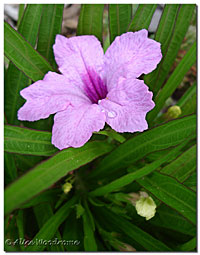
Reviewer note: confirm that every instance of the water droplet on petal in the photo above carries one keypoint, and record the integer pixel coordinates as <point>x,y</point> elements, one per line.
<point>99,101</point>
<point>103,110</point>
<point>111,114</point>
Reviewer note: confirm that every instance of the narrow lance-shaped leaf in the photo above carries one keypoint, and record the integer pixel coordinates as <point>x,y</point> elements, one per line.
<point>168,218</point>
<point>15,80</point>
<point>187,95</point>
<point>23,55</point>
<point>128,178</point>
<point>142,17</point>
<point>91,20</point>
<point>20,14</point>
<point>135,233</point>
<point>10,169</point>
<point>49,229</point>
<point>172,193</point>
<point>188,246</point>
<point>119,19</point>
<point>163,35</point>
<point>158,76</point>
<point>89,239</point>
<point>50,171</point>
<point>50,26</point>
<point>161,137</point>
<point>173,81</point>
<point>43,212</point>
<point>183,166</point>
<point>28,141</point>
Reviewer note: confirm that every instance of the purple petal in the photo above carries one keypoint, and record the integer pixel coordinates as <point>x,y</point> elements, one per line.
<point>131,55</point>
<point>76,56</point>
<point>126,106</point>
<point>52,94</point>
<point>74,126</point>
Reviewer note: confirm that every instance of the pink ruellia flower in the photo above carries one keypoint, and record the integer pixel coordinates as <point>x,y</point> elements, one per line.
<point>93,88</point>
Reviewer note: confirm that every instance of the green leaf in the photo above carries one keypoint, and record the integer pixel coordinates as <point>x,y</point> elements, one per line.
<point>183,166</point>
<point>187,95</point>
<point>23,55</point>
<point>191,182</point>
<point>20,14</point>
<point>43,212</point>
<point>172,193</point>
<point>166,24</point>
<point>20,226</point>
<point>119,19</point>
<point>72,230</point>
<point>168,218</point>
<point>132,231</point>
<point>113,134</point>
<point>128,178</point>
<point>158,138</point>
<point>173,81</point>
<point>15,79</point>
<point>28,141</point>
<point>91,20</point>
<point>50,26</point>
<point>50,227</point>
<point>50,195</point>
<point>10,169</point>
<point>142,17</point>
<point>50,171</point>
<point>190,107</point>
<point>158,76</point>
<point>88,228</point>
<point>188,246</point>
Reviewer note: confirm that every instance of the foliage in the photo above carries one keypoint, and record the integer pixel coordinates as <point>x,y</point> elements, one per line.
<point>96,214</point>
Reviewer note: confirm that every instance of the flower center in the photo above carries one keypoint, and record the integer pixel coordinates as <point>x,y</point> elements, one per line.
<point>94,86</point>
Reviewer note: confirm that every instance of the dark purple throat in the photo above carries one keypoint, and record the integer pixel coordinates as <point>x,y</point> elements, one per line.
<point>94,86</point>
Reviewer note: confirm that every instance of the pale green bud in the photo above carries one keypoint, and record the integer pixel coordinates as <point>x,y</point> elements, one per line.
<point>173,112</point>
<point>146,207</point>
<point>67,187</point>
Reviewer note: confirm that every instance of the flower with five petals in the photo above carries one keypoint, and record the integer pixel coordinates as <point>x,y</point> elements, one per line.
<point>94,88</point>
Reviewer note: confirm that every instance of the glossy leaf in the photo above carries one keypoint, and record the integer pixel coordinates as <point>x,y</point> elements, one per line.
<point>142,17</point>
<point>128,178</point>
<point>23,55</point>
<point>119,19</point>
<point>174,81</point>
<point>172,193</point>
<point>183,166</point>
<point>50,171</point>
<point>157,77</point>
<point>50,26</point>
<point>15,80</point>
<point>158,138</point>
<point>28,141</point>
<point>91,20</point>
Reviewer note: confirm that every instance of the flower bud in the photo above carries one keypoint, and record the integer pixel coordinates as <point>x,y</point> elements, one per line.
<point>173,112</point>
<point>67,187</point>
<point>146,207</point>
